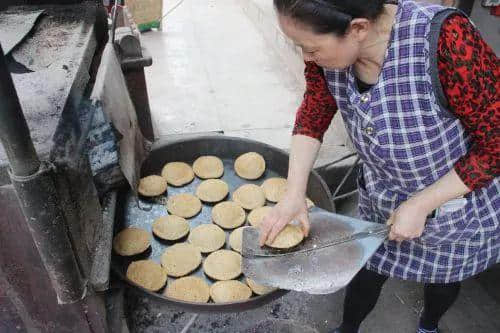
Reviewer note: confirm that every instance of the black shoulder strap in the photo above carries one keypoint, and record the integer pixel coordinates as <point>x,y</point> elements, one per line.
<point>434,34</point>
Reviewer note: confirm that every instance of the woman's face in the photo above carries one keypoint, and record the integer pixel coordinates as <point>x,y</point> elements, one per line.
<point>326,50</point>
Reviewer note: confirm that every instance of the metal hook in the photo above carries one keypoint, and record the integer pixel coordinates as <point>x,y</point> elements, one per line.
<point>114,14</point>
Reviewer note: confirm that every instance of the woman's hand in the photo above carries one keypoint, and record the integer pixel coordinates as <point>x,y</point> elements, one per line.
<point>407,221</point>
<point>291,207</point>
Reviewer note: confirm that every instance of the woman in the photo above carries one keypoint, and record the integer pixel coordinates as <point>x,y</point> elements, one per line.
<point>417,88</point>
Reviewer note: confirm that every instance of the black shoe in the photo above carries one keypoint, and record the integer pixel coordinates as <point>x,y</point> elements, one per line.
<point>423,330</point>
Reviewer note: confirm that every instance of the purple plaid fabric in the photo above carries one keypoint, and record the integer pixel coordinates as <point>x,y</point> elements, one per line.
<point>407,141</point>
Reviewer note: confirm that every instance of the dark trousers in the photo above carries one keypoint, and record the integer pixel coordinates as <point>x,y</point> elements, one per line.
<point>363,292</point>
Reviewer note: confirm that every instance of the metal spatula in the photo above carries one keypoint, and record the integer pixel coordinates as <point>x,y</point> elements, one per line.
<point>337,248</point>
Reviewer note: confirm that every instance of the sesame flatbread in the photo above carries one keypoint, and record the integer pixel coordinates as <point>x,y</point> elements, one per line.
<point>147,274</point>
<point>259,289</point>
<point>177,173</point>
<point>274,188</point>
<point>181,259</point>
<point>212,190</point>
<point>170,227</point>
<point>228,215</point>
<point>236,239</point>
<point>229,291</point>
<point>152,186</point>
<point>131,241</point>
<point>249,196</point>
<point>207,237</point>
<point>189,289</point>
<point>250,166</point>
<point>256,215</point>
<point>207,167</point>
<point>222,265</point>
<point>289,237</point>
<point>184,205</point>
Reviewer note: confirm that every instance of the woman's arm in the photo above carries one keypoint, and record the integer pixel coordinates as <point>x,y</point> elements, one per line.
<point>469,72</point>
<point>318,106</point>
<point>303,153</point>
<point>312,121</point>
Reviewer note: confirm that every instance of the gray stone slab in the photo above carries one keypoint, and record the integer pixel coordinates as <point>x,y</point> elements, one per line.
<point>474,310</point>
<point>282,326</point>
<point>209,76</point>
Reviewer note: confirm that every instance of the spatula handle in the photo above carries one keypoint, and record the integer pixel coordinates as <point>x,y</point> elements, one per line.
<point>384,231</point>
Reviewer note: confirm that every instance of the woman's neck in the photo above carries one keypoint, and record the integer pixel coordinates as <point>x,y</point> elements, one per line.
<point>373,49</point>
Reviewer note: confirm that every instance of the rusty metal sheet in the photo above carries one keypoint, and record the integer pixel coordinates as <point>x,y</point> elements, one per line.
<point>110,92</point>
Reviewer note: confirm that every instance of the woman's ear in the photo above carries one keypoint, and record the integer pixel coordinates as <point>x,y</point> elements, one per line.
<point>358,29</point>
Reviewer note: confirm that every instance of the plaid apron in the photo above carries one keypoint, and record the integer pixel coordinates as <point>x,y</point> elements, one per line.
<point>407,140</point>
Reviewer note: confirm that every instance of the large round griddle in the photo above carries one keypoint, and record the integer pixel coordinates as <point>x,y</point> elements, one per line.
<point>187,150</point>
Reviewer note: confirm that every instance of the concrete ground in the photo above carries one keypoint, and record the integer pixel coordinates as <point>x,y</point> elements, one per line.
<point>222,65</point>
<point>214,71</point>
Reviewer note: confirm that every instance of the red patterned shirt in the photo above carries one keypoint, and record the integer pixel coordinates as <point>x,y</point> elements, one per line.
<point>468,71</point>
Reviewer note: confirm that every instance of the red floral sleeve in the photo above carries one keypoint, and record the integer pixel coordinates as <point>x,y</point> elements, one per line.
<point>469,72</point>
<point>318,106</point>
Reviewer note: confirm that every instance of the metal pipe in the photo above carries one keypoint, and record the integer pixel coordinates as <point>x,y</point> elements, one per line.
<point>345,195</point>
<point>39,201</point>
<point>337,190</point>
<point>38,196</point>
<point>14,131</point>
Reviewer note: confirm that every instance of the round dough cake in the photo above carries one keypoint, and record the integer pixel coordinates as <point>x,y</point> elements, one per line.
<point>250,166</point>
<point>147,274</point>
<point>181,259</point>
<point>189,289</point>
<point>170,227</point>
<point>249,196</point>
<point>228,215</point>
<point>212,190</point>
<point>256,215</point>
<point>207,167</point>
<point>184,205</point>
<point>236,239</point>
<point>259,289</point>
<point>207,237</point>
<point>274,188</point>
<point>131,241</point>
<point>177,173</point>
<point>222,265</point>
<point>152,186</point>
<point>229,291</point>
<point>289,237</point>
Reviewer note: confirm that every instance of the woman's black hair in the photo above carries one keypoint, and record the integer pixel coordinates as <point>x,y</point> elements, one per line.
<point>329,16</point>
